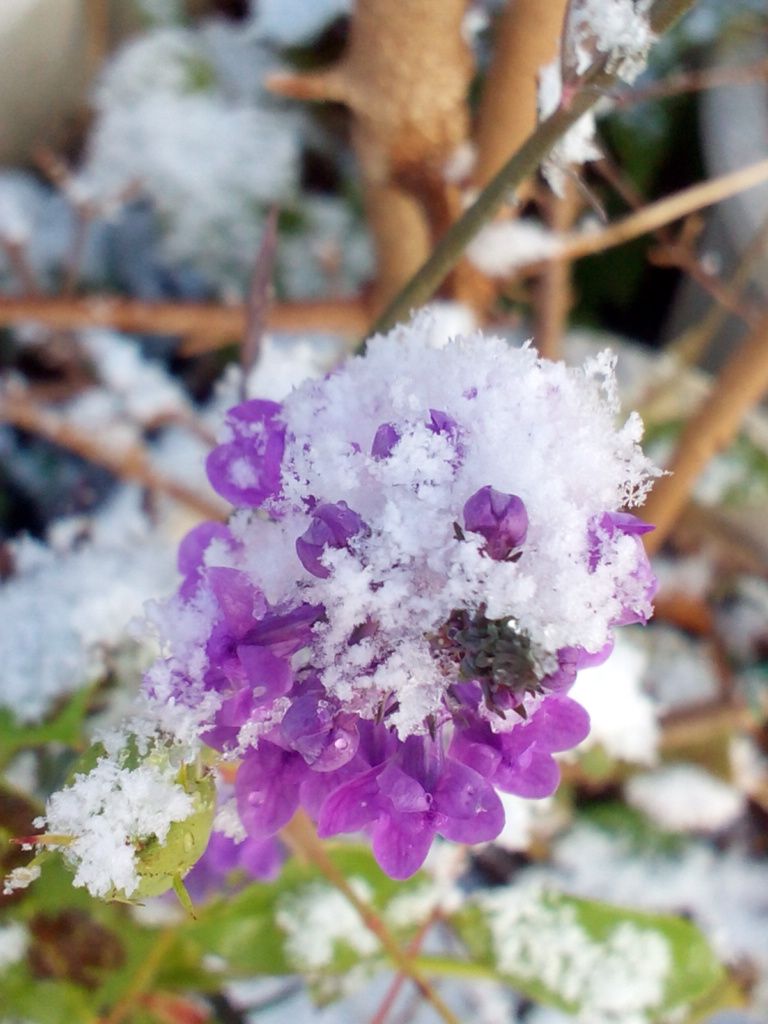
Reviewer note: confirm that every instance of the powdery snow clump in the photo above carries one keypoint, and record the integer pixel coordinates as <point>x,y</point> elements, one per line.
<point>426,547</point>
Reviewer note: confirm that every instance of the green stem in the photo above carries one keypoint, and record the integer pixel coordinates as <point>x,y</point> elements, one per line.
<point>445,966</point>
<point>449,250</point>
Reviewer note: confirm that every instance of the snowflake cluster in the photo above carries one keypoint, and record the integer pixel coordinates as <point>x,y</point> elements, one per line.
<point>426,547</point>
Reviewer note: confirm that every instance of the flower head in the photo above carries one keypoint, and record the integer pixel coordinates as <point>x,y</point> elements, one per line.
<point>439,547</point>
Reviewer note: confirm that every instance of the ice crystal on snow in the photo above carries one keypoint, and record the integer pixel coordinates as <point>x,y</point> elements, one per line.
<point>612,982</point>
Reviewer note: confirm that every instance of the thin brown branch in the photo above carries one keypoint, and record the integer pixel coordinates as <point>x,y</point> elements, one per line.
<point>259,297</point>
<point>207,325</point>
<point>399,980</point>
<point>693,81</point>
<point>553,290</point>
<point>300,836</point>
<point>125,462</point>
<point>694,342</point>
<point>676,251</point>
<point>663,211</point>
<point>526,37</point>
<point>739,386</point>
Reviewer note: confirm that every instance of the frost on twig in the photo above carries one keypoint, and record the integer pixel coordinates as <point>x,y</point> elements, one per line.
<point>616,33</point>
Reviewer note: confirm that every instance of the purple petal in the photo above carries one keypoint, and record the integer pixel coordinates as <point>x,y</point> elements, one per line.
<point>352,806</point>
<point>246,469</point>
<point>401,843</point>
<point>331,527</point>
<point>267,789</point>
<point>240,603</point>
<point>385,439</point>
<point>268,677</point>
<point>403,791</point>
<point>561,723</point>
<point>461,793</point>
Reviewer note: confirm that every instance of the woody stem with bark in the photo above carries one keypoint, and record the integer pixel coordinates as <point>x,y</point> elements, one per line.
<point>423,285</point>
<point>739,386</point>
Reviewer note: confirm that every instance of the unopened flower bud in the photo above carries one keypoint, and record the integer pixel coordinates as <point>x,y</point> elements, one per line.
<point>500,518</point>
<point>332,526</point>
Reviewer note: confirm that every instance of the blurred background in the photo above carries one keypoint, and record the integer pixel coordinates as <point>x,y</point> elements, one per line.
<point>143,145</point>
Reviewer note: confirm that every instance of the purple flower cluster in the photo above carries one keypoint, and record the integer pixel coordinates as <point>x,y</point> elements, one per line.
<point>360,668</point>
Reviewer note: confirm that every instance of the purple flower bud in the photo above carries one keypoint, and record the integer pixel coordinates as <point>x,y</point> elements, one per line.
<point>441,423</point>
<point>500,518</point>
<point>331,527</point>
<point>384,441</point>
<point>246,468</point>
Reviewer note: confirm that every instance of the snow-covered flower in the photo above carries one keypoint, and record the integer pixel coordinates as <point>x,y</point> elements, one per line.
<point>427,546</point>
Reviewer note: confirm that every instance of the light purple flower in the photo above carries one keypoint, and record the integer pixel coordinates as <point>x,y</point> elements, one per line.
<point>607,526</point>
<point>246,469</point>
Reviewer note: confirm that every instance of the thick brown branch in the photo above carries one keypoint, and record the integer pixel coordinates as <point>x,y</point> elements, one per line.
<point>740,385</point>
<point>527,37</point>
<point>405,76</point>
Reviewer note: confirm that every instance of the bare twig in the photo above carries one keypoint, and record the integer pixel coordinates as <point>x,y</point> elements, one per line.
<point>693,81</point>
<point>553,289</point>
<point>694,342</point>
<point>394,989</point>
<point>300,835</point>
<point>206,325</point>
<point>126,462</point>
<point>664,211</point>
<point>259,297</point>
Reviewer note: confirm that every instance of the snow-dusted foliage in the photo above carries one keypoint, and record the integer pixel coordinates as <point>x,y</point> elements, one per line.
<point>182,119</point>
<point>66,610</point>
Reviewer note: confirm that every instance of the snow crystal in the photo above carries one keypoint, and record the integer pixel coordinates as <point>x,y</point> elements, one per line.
<point>170,121</point>
<point>685,798</point>
<point>13,944</point>
<point>65,611</point>
<point>107,813</point>
<point>577,146</point>
<point>618,29</point>
<point>228,822</point>
<point>503,246</point>
<point>622,717</point>
<point>316,918</point>
<point>20,878</point>
<point>616,981</point>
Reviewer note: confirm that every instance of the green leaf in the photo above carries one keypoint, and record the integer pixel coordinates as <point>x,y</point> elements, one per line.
<point>258,931</point>
<point>65,727</point>
<point>583,955</point>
